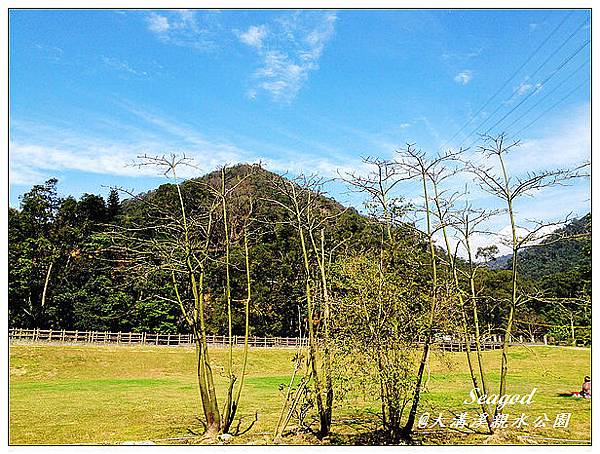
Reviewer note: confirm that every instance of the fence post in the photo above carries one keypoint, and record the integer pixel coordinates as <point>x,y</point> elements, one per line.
<point>545,340</point>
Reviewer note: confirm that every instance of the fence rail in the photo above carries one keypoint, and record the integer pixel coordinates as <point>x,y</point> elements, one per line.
<point>447,343</point>
<point>106,337</point>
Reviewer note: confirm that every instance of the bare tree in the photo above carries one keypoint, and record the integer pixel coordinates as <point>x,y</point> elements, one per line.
<point>301,199</point>
<point>509,189</point>
<point>429,172</point>
<point>379,316</point>
<point>466,223</point>
<point>176,239</point>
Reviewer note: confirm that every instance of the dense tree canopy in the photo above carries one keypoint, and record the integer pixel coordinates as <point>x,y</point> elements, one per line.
<point>64,275</point>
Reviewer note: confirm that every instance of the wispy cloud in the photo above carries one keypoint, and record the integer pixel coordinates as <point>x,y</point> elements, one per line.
<point>158,24</point>
<point>254,36</point>
<point>289,49</point>
<point>31,162</point>
<point>566,143</point>
<point>185,28</point>
<point>464,77</point>
<point>53,53</point>
<point>461,56</point>
<point>40,150</point>
<point>44,149</point>
<point>525,88</point>
<point>124,67</point>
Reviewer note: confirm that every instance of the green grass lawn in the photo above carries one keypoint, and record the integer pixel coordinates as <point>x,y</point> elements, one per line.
<point>114,394</point>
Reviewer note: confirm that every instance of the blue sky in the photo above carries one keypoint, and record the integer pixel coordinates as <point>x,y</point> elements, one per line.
<point>303,91</point>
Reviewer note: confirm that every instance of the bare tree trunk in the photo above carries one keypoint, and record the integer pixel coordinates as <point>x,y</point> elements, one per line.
<point>312,347</point>
<point>235,403</point>
<point>46,283</point>
<point>205,376</point>
<point>229,412</point>
<point>433,303</point>
<point>514,275</point>
<point>320,254</point>
<point>459,294</point>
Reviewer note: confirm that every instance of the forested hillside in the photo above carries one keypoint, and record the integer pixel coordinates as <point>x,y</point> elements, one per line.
<point>561,262</point>
<point>66,271</point>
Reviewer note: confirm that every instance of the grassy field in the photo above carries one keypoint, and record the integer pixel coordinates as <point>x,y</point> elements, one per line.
<point>115,394</point>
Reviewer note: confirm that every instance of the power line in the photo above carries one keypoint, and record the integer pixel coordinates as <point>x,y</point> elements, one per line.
<point>564,62</point>
<point>552,106</point>
<point>507,81</point>
<point>547,95</point>
<point>534,73</point>
<point>560,47</point>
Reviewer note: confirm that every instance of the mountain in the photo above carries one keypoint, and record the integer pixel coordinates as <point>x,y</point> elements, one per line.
<point>566,252</point>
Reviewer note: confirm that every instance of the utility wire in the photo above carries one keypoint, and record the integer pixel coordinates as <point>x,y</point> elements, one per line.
<point>553,106</point>
<point>532,92</point>
<point>507,81</point>
<point>547,95</point>
<point>530,77</point>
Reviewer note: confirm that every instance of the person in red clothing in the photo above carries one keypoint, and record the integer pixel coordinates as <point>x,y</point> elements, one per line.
<point>586,388</point>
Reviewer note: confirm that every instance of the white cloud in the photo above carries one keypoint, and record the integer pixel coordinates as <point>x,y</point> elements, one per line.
<point>461,56</point>
<point>254,36</point>
<point>39,151</point>
<point>32,162</point>
<point>51,53</point>
<point>186,28</point>
<point>289,52</point>
<point>524,88</point>
<point>464,77</point>
<point>123,66</point>
<point>288,48</point>
<point>157,23</point>
<point>565,142</point>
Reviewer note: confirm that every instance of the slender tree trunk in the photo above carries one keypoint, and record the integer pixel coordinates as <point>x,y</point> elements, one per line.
<point>229,411</point>
<point>476,326</point>
<point>46,282</point>
<point>429,333</point>
<point>459,294</point>
<point>514,276</point>
<point>205,376</point>
<point>236,400</point>
<point>320,254</point>
<point>312,347</point>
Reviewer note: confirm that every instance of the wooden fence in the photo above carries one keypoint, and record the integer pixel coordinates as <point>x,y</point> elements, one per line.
<point>106,337</point>
<point>447,343</point>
